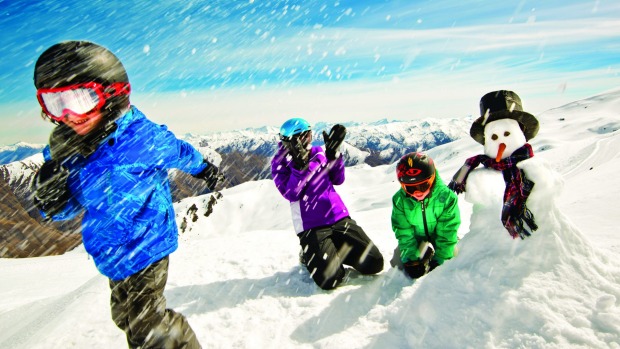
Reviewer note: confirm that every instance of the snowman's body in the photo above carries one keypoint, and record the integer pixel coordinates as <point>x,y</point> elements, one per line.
<point>485,188</point>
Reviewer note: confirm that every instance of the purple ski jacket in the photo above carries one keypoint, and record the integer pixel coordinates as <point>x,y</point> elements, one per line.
<point>314,201</point>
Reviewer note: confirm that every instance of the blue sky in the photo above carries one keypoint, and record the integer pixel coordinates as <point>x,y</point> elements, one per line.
<point>203,66</point>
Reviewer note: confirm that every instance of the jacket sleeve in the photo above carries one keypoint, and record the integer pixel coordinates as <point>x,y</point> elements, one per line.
<point>336,171</point>
<point>175,153</point>
<point>403,230</point>
<point>447,226</point>
<point>288,180</point>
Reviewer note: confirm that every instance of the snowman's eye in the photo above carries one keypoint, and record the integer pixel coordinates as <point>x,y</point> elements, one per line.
<point>494,137</point>
<point>506,134</point>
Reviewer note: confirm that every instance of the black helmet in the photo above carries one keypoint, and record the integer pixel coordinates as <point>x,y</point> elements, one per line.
<point>416,174</point>
<point>415,167</point>
<point>75,62</point>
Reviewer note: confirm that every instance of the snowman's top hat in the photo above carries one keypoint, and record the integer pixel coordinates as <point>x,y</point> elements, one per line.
<point>499,105</point>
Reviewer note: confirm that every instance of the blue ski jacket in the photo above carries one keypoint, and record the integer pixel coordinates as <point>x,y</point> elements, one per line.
<point>124,192</point>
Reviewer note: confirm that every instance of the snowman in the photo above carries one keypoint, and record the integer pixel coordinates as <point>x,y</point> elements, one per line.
<point>550,290</point>
<point>504,130</point>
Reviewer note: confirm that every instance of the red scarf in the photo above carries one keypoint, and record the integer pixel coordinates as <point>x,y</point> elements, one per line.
<point>518,188</point>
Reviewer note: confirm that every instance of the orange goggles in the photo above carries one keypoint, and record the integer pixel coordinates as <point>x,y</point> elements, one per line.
<point>419,188</point>
<point>78,99</point>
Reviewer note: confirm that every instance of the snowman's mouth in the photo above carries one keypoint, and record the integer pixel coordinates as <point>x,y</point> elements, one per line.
<point>500,152</point>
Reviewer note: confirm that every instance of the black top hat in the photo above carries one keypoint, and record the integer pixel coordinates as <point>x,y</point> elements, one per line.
<point>503,104</point>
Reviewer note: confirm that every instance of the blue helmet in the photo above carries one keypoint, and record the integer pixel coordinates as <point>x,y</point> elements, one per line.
<point>294,126</point>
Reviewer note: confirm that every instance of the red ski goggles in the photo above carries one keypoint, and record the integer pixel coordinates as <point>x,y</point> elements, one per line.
<point>78,99</point>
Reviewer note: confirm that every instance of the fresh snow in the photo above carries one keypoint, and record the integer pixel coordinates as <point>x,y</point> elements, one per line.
<point>237,278</point>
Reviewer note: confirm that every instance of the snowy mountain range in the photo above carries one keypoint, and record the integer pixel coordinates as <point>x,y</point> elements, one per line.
<point>243,155</point>
<point>236,272</point>
<point>383,138</point>
<point>18,151</point>
<point>376,143</point>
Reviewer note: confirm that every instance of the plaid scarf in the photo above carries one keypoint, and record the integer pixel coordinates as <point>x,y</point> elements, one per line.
<point>518,188</point>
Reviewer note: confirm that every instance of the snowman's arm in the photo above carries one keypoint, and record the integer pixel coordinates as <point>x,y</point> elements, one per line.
<point>457,184</point>
<point>547,182</point>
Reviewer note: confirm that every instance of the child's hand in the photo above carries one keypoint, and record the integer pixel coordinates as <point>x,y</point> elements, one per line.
<point>333,140</point>
<point>416,269</point>
<point>51,192</point>
<point>211,175</point>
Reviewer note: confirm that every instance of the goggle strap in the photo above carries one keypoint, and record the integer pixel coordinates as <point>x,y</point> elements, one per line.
<point>116,89</point>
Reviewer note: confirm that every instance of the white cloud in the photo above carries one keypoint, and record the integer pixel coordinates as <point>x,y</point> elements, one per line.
<point>412,96</point>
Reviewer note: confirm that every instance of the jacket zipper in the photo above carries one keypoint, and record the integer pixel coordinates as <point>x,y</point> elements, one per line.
<point>428,238</point>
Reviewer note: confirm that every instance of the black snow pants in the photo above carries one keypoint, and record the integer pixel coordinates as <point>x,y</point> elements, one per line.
<point>326,249</point>
<point>139,308</point>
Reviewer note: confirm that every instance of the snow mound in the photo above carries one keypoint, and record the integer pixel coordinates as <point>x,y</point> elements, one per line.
<point>551,290</point>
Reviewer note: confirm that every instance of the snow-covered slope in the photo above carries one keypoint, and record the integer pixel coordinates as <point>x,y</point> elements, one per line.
<point>236,275</point>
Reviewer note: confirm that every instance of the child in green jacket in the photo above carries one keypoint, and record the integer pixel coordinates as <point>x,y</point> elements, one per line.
<point>425,217</point>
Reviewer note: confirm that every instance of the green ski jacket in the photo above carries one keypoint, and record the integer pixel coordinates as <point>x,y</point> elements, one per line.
<point>443,219</point>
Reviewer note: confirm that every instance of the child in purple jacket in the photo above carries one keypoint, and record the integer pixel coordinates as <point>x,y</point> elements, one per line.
<point>305,176</point>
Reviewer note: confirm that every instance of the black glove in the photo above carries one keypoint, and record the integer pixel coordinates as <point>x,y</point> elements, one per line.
<point>51,192</point>
<point>211,174</point>
<point>456,187</point>
<point>424,265</point>
<point>457,184</point>
<point>300,164</point>
<point>333,140</point>
<point>416,269</point>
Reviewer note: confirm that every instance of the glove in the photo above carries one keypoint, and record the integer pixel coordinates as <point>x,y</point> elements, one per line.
<point>421,267</point>
<point>51,192</point>
<point>301,158</point>
<point>210,175</point>
<point>457,184</point>
<point>456,187</point>
<point>416,269</point>
<point>333,140</point>
<point>300,164</point>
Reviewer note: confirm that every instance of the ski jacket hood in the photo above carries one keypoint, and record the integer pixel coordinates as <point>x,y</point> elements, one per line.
<point>442,219</point>
<point>123,190</point>
<point>314,201</point>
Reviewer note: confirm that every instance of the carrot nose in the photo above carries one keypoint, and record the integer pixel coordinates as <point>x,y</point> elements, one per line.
<point>500,151</point>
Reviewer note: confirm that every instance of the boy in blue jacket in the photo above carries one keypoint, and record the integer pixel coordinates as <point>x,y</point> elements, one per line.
<point>105,159</point>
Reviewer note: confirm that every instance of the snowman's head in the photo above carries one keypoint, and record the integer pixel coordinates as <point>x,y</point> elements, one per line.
<point>499,105</point>
<point>502,138</point>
